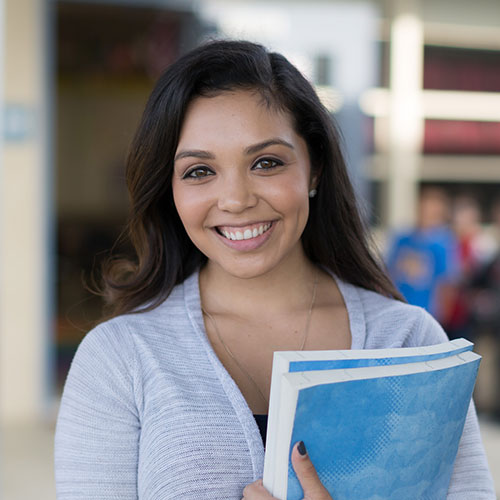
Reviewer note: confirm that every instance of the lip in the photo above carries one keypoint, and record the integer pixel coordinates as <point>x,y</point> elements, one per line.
<point>244,224</point>
<point>250,244</point>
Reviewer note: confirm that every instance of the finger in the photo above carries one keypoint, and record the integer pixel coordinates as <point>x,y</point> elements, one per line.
<point>256,491</point>
<point>307,475</point>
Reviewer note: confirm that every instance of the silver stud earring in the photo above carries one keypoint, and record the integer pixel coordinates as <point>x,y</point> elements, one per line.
<point>312,193</point>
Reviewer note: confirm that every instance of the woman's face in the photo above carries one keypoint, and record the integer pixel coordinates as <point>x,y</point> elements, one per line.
<point>240,184</point>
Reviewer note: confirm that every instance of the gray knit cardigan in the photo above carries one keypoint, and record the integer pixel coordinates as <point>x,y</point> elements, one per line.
<point>149,412</point>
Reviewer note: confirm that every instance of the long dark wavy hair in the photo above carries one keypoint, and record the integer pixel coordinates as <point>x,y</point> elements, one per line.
<point>164,256</point>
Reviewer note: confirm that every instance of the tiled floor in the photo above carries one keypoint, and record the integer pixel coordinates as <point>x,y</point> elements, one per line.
<point>27,469</point>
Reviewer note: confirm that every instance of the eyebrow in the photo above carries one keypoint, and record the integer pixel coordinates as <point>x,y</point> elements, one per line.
<point>194,153</point>
<point>271,142</point>
<point>254,148</point>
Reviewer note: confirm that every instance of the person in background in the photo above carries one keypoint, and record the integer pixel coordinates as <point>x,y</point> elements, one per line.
<point>466,224</point>
<point>423,261</point>
<point>483,297</point>
<point>472,254</point>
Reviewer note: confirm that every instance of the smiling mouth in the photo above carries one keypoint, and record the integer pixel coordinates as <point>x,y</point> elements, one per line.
<point>244,233</point>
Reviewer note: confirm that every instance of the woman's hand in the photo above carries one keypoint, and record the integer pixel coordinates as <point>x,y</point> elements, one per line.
<point>306,473</point>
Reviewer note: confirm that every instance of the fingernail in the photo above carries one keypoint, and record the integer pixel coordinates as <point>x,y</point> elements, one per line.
<point>301,448</point>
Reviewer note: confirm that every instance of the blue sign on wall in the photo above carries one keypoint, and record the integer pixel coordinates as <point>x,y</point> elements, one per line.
<point>18,122</point>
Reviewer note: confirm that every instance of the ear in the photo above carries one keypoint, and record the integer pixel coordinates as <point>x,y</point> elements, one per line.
<point>312,187</point>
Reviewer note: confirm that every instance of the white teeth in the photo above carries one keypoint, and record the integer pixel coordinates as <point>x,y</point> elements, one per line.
<point>247,234</point>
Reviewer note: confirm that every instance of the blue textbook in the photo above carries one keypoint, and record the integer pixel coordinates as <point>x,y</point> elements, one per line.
<point>382,424</point>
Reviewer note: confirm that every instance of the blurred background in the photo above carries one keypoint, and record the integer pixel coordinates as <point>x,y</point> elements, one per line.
<point>414,84</point>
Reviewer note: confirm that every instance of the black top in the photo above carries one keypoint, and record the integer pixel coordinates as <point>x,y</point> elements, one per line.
<point>262,425</point>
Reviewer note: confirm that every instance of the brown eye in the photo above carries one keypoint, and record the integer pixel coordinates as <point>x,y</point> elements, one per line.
<point>198,173</point>
<point>267,164</point>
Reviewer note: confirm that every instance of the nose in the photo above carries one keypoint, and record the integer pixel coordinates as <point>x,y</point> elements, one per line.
<point>236,193</point>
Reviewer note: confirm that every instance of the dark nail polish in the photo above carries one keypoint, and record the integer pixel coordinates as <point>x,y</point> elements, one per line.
<point>301,448</point>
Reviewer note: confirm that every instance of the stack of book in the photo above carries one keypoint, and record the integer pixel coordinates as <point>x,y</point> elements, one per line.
<point>377,424</point>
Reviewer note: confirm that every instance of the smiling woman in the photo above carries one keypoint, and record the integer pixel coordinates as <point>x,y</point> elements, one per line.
<point>241,169</point>
<point>247,241</point>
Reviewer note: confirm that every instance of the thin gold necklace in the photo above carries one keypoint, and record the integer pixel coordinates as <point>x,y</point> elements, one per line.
<point>233,357</point>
